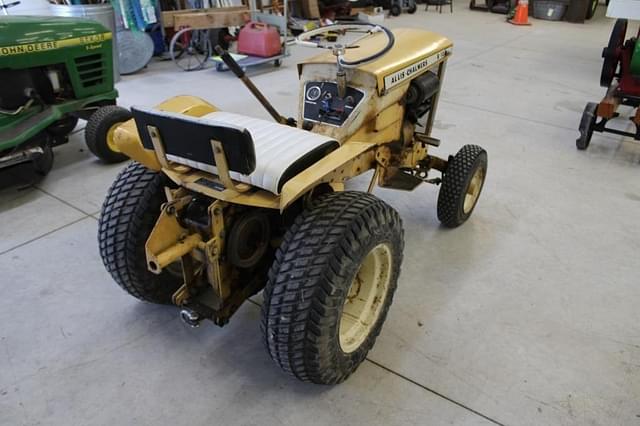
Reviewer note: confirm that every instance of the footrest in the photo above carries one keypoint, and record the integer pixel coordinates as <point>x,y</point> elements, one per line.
<point>17,132</point>
<point>403,181</point>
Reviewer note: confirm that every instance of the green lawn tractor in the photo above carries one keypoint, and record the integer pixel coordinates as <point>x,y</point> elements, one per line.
<point>54,71</point>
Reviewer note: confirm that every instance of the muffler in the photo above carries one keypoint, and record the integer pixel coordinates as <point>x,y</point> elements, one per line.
<point>190,317</point>
<point>21,156</point>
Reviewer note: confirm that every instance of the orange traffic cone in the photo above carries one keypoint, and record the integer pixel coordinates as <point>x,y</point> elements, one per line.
<point>521,17</point>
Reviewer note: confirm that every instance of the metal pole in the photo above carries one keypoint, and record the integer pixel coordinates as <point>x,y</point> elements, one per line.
<point>239,72</point>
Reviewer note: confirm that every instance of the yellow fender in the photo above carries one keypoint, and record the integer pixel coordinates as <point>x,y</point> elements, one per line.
<point>126,135</point>
<point>351,159</point>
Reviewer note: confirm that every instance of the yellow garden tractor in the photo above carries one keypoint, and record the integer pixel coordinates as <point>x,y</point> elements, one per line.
<point>218,206</point>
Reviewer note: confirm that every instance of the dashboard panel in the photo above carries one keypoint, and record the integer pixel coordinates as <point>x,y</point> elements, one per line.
<point>323,105</point>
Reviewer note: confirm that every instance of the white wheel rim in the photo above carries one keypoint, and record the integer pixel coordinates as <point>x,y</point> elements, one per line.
<point>473,190</point>
<point>365,299</point>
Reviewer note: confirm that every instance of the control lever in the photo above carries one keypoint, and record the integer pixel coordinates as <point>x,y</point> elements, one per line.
<point>239,72</point>
<point>341,75</point>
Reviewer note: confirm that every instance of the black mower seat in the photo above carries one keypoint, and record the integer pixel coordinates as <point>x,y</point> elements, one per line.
<point>260,153</point>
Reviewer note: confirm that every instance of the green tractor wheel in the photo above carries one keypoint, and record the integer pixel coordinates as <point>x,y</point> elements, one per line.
<point>100,131</point>
<point>43,163</point>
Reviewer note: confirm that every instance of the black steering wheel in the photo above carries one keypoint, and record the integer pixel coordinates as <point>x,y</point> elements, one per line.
<point>339,49</point>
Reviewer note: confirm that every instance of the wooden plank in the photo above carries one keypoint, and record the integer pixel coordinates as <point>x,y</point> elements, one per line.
<point>168,17</point>
<point>201,21</point>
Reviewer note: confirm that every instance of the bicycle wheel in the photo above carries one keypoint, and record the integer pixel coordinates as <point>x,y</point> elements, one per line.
<point>190,49</point>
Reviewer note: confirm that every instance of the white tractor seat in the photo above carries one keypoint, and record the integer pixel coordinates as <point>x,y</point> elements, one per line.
<point>281,151</point>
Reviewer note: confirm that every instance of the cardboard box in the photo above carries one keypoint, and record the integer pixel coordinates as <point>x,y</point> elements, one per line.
<point>373,15</point>
<point>310,9</point>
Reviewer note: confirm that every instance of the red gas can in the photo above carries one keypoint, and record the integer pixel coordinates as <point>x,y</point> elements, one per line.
<point>258,39</point>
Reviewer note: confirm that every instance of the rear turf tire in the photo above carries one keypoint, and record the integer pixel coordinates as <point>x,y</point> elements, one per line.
<point>310,285</point>
<point>99,132</point>
<point>128,215</point>
<point>462,184</point>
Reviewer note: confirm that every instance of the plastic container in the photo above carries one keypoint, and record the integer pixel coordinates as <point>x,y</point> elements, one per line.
<point>549,10</point>
<point>102,13</point>
<point>258,39</point>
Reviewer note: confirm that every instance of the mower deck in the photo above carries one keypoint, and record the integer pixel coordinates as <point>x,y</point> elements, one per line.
<point>15,130</point>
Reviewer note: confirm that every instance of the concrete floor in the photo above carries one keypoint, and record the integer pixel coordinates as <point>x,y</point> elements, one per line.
<point>527,315</point>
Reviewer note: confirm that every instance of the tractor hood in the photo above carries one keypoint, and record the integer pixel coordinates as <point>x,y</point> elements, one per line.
<point>413,52</point>
<point>41,31</point>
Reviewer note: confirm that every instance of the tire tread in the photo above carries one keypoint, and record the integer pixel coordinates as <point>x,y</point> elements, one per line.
<point>302,293</point>
<point>96,129</point>
<point>454,183</point>
<point>129,212</point>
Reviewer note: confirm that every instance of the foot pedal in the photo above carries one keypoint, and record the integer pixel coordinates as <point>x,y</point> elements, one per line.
<point>402,180</point>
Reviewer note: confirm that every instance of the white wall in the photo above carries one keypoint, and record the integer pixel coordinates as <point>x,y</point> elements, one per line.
<point>29,7</point>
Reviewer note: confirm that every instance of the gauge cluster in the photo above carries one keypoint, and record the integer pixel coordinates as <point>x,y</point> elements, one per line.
<point>323,105</point>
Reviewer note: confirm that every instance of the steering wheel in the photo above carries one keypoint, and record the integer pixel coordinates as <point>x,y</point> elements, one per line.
<point>339,49</point>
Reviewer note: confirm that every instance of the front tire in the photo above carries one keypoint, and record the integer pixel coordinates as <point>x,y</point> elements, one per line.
<point>331,286</point>
<point>128,215</point>
<point>395,10</point>
<point>99,133</point>
<point>462,184</point>
<point>43,164</point>
<point>587,124</point>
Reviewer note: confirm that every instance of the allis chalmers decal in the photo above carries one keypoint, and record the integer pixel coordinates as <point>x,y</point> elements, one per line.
<point>21,49</point>
<point>413,70</point>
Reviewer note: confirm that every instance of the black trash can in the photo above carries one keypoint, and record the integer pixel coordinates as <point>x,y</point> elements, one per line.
<point>550,10</point>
